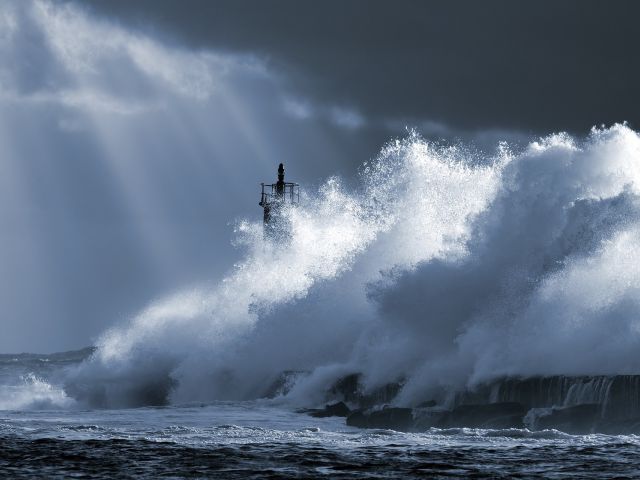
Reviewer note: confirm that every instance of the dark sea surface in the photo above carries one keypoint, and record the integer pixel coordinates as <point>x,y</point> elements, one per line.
<point>45,434</point>
<point>254,440</point>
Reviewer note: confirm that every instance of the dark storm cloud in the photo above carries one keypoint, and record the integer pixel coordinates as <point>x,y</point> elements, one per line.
<point>534,66</point>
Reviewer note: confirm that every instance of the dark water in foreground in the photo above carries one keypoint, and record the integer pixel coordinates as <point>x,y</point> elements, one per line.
<point>252,440</point>
<point>148,459</point>
<point>46,434</point>
<point>144,458</point>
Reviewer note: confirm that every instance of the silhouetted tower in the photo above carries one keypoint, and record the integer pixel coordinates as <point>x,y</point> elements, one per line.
<point>274,197</point>
<point>280,183</point>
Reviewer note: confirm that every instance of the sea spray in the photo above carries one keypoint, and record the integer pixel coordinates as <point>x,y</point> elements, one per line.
<point>30,392</point>
<point>188,340</point>
<point>560,205</point>
<point>444,269</point>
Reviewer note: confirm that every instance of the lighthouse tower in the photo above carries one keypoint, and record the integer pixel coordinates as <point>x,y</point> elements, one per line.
<point>274,197</point>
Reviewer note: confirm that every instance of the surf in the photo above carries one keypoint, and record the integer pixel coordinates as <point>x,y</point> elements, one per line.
<point>444,267</point>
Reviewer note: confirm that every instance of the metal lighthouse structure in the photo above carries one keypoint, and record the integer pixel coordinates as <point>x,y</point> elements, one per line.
<point>274,198</point>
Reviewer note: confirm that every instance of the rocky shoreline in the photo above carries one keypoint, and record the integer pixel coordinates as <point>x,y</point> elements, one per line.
<point>571,404</point>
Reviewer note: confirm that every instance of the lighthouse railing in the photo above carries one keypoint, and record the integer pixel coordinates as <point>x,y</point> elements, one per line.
<point>270,195</point>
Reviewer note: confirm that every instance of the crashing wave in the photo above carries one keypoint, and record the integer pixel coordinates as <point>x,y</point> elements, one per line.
<point>446,268</point>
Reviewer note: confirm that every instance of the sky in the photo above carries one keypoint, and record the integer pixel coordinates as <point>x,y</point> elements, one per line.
<point>134,135</point>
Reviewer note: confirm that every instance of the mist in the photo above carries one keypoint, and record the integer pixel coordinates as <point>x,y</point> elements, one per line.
<point>441,270</point>
<point>130,167</point>
<point>125,161</point>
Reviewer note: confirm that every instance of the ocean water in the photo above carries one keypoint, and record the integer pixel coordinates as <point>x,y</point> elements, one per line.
<point>439,267</point>
<point>442,270</point>
<point>46,434</point>
<point>247,439</point>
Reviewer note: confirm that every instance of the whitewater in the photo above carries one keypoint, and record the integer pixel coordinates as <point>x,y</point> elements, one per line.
<point>443,270</point>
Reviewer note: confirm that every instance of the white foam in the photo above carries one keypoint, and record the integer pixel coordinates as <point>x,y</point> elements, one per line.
<point>443,268</point>
<point>33,393</point>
